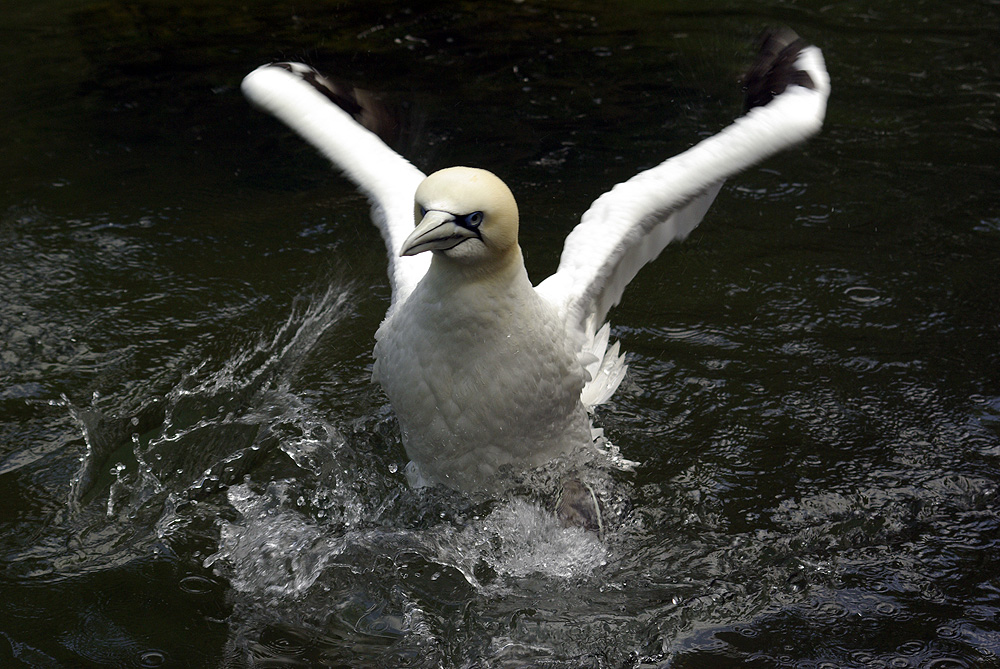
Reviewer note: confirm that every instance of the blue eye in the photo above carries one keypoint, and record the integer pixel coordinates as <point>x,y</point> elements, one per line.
<point>473,220</point>
<point>423,211</point>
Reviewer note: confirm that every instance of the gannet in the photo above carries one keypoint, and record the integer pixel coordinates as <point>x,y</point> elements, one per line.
<point>486,373</point>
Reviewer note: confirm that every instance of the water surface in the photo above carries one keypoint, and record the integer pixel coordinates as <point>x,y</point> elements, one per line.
<point>196,471</point>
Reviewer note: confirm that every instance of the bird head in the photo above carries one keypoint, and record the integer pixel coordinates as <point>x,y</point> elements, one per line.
<point>466,215</point>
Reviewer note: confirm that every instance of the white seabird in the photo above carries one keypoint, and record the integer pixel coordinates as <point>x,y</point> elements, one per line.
<point>484,371</point>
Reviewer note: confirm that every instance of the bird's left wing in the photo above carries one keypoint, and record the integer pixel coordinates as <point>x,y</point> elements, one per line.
<point>632,223</point>
<point>333,120</point>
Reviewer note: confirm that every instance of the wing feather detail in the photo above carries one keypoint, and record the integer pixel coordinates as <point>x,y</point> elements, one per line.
<point>331,121</point>
<point>632,223</point>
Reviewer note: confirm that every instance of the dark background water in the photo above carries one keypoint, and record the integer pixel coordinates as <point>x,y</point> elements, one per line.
<point>195,471</point>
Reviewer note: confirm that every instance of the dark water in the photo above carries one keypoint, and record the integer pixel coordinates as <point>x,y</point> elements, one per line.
<point>195,471</point>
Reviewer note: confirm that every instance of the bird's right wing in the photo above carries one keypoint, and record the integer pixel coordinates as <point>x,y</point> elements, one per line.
<point>632,223</point>
<point>331,120</point>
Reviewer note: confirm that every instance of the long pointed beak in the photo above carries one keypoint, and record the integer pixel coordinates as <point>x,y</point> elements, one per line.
<point>437,231</point>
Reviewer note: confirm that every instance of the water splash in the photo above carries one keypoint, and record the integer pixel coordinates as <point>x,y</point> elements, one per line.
<point>519,539</point>
<point>316,535</point>
<point>160,460</point>
<point>274,551</point>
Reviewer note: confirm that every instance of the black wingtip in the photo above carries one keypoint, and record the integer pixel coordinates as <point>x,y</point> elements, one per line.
<point>774,68</point>
<point>360,104</point>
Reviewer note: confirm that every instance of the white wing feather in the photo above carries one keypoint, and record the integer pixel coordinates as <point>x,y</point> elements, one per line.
<point>632,223</point>
<point>387,179</point>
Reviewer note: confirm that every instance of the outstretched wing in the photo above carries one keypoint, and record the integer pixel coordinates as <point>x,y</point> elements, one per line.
<point>332,119</point>
<point>632,223</point>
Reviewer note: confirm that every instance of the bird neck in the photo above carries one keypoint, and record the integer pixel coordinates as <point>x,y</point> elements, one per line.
<point>505,269</point>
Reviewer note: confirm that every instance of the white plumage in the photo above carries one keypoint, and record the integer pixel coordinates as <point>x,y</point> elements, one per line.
<point>484,371</point>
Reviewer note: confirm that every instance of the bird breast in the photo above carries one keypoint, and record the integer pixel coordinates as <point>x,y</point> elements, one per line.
<point>480,375</point>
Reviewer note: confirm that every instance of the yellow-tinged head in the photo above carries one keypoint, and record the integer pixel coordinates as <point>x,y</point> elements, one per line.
<point>466,215</point>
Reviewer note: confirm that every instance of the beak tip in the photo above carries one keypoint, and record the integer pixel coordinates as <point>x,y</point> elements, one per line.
<point>437,230</point>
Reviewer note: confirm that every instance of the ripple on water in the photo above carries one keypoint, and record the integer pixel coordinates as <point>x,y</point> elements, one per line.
<point>198,585</point>
<point>863,294</point>
<point>771,191</point>
<point>152,658</point>
<point>991,225</point>
<point>285,642</point>
<point>946,663</point>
